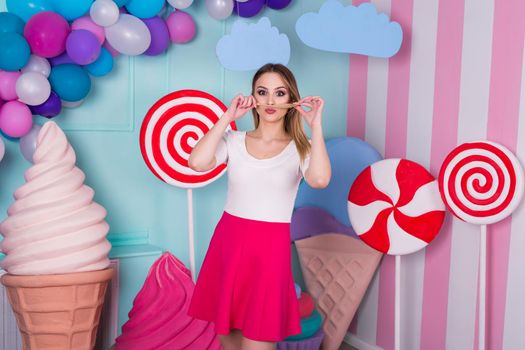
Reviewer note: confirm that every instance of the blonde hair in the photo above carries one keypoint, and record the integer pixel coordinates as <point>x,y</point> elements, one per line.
<point>293,125</point>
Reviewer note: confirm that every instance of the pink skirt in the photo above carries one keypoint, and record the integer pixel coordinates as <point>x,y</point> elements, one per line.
<point>246,280</point>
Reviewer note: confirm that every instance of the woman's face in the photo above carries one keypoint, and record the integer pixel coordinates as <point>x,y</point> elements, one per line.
<point>270,89</point>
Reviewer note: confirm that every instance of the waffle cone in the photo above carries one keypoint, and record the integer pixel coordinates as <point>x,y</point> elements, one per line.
<point>337,270</point>
<point>58,311</point>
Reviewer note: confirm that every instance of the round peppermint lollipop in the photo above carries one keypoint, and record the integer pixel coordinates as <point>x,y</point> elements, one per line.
<point>481,182</point>
<point>170,130</point>
<point>395,207</point>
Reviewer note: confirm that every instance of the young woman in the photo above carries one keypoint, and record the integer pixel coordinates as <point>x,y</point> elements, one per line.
<point>245,285</point>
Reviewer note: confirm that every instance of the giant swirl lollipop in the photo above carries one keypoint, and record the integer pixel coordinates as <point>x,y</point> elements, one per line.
<point>481,183</point>
<point>394,207</point>
<point>170,130</point>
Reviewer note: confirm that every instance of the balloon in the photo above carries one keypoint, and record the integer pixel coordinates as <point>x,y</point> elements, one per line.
<point>160,36</point>
<point>61,59</point>
<point>15,119</point>
<point>71,9</point>
<point>46,33</point>
<point>8,85</point>
<point>87,23</point>
<point>249,8</point>
<point>144,8</point>
<point>129,35</point>
<point>181,27</point>
<point>32,88</point>
<point>71,104</point>
<point>50,108</point>
<point>219,9</point>
<point>25,9</point>
<point>11,23</point>
<point>277,4</point>
<point>14,51</point>
<point>28,142</point>
<point>121,3</point>
<point>103,65</point>
<point>180,4</point>
<point>2,149</point>
<point>37,64</point>
<point>104,13</point>
<point>82,46</point>
<point>70,82</point>
<point>111,50</point>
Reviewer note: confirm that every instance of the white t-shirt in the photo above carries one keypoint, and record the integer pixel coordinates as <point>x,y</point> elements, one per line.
<point>260,189</point>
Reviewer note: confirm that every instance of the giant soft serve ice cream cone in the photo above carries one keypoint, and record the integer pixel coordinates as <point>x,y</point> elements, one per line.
<point>56,250</point>
<point>337,269</point>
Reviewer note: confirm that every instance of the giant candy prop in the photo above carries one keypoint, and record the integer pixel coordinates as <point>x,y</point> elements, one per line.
<point>56,250</point>
<point>170,130</point>
<point>481,183</point>
<point>337,267</point>
<point>159,319</point>
<point>394,206</point>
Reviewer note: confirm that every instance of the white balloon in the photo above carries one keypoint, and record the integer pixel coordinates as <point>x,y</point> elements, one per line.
<point>242,0</point>
<point>33,88</point>
<point>219,9</point>
<point>129,36</point>
<point>37,64</point>
<point>28,142</point>
<point>71,104</point>
<point>2,149</point>
<point>180,4</point>
<point>105,13</point>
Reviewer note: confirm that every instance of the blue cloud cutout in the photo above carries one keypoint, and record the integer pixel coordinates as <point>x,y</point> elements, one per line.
<point>350,29</point>
<point>249,46</point>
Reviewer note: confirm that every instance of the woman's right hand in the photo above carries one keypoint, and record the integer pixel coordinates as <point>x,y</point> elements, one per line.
<point>239,106</point>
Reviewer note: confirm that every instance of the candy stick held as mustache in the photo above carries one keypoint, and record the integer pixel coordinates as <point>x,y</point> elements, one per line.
<point>282,105</point>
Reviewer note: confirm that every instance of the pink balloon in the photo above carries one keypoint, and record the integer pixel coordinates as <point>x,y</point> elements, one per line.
<point>46,33</point>
<point>8,85</point>
<point>87,23</point>
<point>111,50</point>
<point>15,119</point>
<point>181,27</point>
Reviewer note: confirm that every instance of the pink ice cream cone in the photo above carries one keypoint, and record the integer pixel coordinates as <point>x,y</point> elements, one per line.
<point>159,320</point>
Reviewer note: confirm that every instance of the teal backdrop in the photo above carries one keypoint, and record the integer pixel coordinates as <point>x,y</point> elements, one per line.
<point>148,216</point>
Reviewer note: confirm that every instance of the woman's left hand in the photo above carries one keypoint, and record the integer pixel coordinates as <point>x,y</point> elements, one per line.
<point>314,116</point>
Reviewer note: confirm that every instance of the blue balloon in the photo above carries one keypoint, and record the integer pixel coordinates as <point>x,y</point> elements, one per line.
<point>11,23</point>
<point>14,51</point>
<point>121,3</point>
<point>27,8</point>
<point>144,8</point>
<point>348,157</point>
<point>103,65</point>
<point>70,81</point>
<point>72,9</point>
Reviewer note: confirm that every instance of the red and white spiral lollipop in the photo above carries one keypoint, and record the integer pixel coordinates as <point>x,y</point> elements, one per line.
<point>395,207</point>
<point>481,182</point>
<point>170,130</point>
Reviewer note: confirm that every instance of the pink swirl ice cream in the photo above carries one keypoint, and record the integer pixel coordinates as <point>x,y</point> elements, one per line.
<point>54,227</point>
<point>159,320</point>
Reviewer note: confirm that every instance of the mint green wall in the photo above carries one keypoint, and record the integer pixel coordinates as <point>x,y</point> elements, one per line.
<point>104,132</point>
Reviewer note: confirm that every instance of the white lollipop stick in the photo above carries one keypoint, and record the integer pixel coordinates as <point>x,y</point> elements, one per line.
<point>397,310</point>
<point>191,235</point>
<point>482,285</point>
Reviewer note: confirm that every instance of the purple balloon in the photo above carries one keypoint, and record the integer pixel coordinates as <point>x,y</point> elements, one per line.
<point>83,46</point>
<point>249,8</point>
<point>62,59</point>
<point>278,4</point>
<point>50,108</point>
<point>160,36</point>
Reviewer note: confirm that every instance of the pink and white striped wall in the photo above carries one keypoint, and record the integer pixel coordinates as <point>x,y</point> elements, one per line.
<point>458,77</point>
